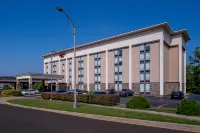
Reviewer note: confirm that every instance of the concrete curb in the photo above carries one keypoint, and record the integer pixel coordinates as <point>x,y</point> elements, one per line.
<point>166,125</point>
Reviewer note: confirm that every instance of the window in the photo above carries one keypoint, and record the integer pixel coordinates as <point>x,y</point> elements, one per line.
<point>141,67</point>
<point>120,87</point>
<point>120,68</point>
<point>147,87</point>
<point>147,66</point>
<point>95,63</point>
<point>116,77</point>
<point>147,76</point>
<point>120,59</point>
<point>99,62</point>
<point>141,57</point>
<point>95,70</point>
<point>147,47</point>
<point>116,60</point>
<point>116,87</point>
<point>99,71</point>
<point>141,87</point>
<point>147,56</point>
<point>116,69</point>
<point>142,48</point>
<point>95,56</point>
<point>141,77</point>
<point>120,51</point>
<point>120,77</point>
<point>99,55</point>
<point>99,79</point>
<point>116,52</point>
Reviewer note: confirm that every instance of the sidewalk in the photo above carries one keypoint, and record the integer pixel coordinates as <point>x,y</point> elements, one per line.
<point>166,125</point>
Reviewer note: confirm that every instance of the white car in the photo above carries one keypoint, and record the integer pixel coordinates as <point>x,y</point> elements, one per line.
<point>30,92</point>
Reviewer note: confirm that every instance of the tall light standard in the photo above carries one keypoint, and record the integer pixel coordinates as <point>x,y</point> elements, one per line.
<point>74,34</point>
<point>51,69</point>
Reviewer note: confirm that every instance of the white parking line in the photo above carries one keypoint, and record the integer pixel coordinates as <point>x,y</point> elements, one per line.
<point>162,105</point>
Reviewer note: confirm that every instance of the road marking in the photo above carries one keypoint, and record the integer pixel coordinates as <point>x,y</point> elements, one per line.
<point>162,105</point>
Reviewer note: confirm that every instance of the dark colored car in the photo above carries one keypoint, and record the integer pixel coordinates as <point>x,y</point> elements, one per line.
<point>126,92</point>
<point>98,92</point>
<point>177,95</point>
<point>111,91</point>
<point>59,91</point>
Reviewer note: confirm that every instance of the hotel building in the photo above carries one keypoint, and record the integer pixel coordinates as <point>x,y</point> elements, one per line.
<point>150,61</point>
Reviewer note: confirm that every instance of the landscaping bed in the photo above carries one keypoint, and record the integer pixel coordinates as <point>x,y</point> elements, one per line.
<point>104,99</point>
<point>85,108</point>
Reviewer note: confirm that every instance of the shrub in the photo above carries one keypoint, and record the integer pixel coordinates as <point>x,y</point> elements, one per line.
<point>107,100</point>
<point>188,107</point>
<point>11,92</point>
<point>137,102</point>
<point>45,95</point>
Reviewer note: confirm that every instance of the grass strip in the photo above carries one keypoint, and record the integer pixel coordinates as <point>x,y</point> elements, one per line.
<point>167,110</point>
<point>85,108</point>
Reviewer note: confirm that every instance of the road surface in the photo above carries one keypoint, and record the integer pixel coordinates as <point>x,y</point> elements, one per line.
<point>20,120</point>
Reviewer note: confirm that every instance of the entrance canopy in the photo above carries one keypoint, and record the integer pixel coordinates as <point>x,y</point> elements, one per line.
<point>39,76</point>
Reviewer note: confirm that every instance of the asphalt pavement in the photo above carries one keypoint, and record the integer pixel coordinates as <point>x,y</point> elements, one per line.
<point>162,101</point>
<point>20,120</point>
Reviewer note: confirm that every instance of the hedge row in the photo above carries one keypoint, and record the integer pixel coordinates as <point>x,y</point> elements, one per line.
<point>106,99</point>
<point>11,92</point>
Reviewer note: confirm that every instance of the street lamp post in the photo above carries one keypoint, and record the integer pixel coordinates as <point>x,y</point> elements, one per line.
<point>51,70</point>
<point>74,34</point>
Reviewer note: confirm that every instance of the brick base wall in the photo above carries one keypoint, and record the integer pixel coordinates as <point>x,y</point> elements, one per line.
<point>91,88</point>
<point>103,86</point>
<point>154,89</point>
<point>125,85</point>
<point>136,88</point>
<point>170,86</point>
<point>111,86</point>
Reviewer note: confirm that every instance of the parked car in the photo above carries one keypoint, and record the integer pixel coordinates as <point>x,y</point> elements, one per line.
<point>59,91</point>
<point>126,92</point>
<point>30,92</point>
<point>1,89</point>
<point>111,91</point>
<point>98,92</point>
<point>77,92</point>
<point>177,95</point>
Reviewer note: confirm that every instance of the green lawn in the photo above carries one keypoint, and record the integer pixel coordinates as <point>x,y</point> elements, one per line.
<point>84,108</point>
<point>167,110</point>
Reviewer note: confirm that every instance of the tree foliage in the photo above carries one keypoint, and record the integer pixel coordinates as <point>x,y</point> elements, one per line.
<point>38,86</point>
<point>193,72</point>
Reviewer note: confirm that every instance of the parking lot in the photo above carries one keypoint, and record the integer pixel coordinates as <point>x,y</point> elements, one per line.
<point>162,101</point>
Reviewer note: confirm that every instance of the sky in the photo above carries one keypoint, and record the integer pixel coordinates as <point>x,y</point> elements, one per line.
<point>31,28</point>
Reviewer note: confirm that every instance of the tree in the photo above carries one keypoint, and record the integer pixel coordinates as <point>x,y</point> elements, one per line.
<point>38,86</point>
<point>193,72</point>
<point>6,87</point>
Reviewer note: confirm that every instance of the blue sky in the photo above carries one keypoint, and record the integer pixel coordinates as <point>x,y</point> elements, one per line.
<point>31,28</point>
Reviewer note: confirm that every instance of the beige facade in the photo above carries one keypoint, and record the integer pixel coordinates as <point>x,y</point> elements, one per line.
<point>103,67</point>
<point>173,64</point>
<point>167,61</point>
<point>136,64</point>
<point>111,67</point>
<point>154,62</point>
<point>125,66</point>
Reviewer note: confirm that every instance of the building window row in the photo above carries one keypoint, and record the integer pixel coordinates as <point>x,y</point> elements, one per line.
<point>70,73</point>
<point>118,69</point>
<point>145,68</point>
<point>97,71</point>
<point>81,73</point>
